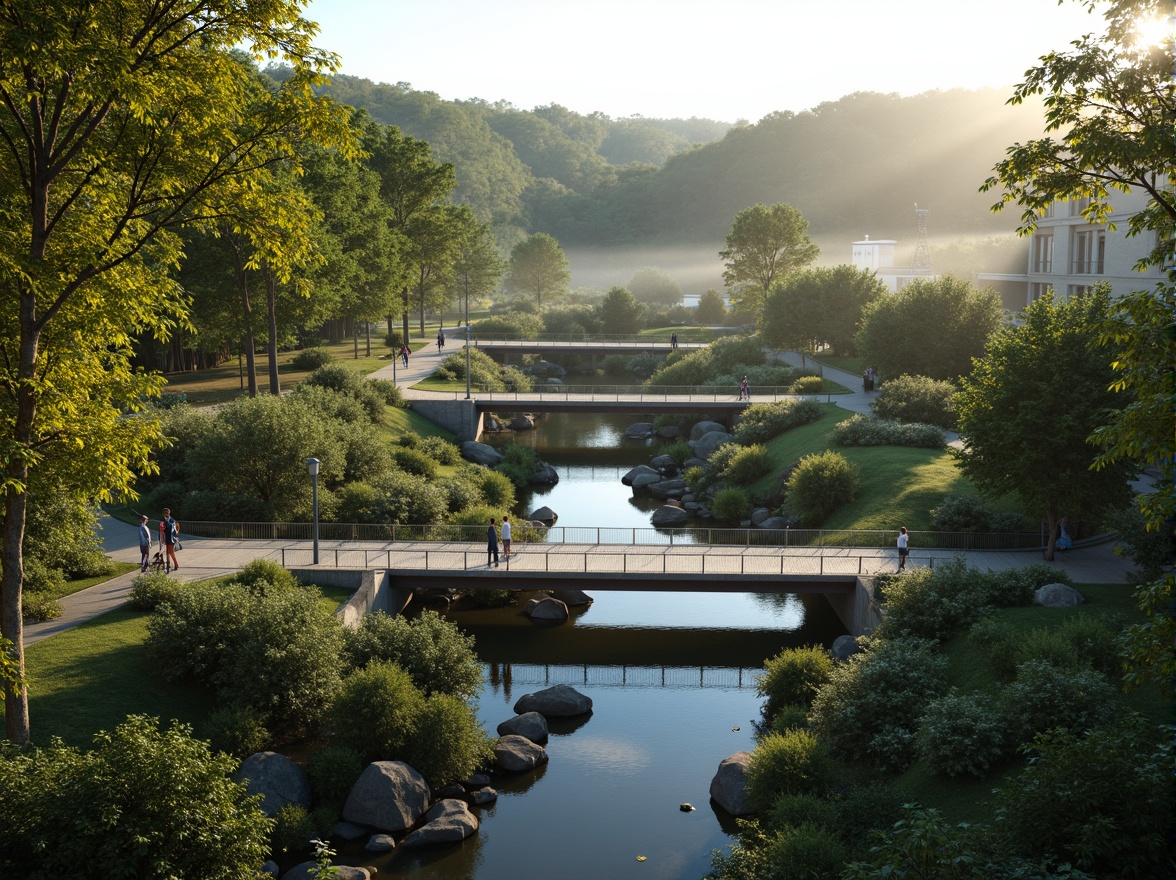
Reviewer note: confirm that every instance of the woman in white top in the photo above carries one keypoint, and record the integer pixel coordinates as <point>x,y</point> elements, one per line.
<point>505,536</point>
<point>903,548</point>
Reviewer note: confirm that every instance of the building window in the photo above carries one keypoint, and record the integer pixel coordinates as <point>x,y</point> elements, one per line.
<point>1088,252</point>
<point>1042,253</point>
<point>1077,206</point>
<point>1038,289</point>
<point>1074,291</point>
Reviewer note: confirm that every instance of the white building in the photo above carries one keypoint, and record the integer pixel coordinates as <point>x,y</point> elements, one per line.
<point>877,256</point>
<point>1069,255</point>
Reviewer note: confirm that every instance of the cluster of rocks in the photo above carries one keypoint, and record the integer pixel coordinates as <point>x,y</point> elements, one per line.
<point>391,798</point>
<point>660,477</point>
<point>487,456</point>
<point>554,608</point>
<point>547,372</point>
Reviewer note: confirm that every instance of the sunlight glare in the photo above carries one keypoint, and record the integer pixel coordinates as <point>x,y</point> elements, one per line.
<point>1157,31</point>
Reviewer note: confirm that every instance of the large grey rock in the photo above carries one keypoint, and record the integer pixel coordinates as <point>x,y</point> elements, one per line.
<point>759,515</point>
<point>777,523</point>
<point>639,431</point>
<point>548,609</point>
<point>669,432</point>
<point>693,462</point>
<point>480,453</point>
<point>545,515</point>
<point>844,647</point>
<point>667,488</point>
<point>573,598</point>
<point>545,475</point>
<point>308,871</point>
<point>546,368</point>
<point>522,422</point>
<point>557,701</point>
<point>728,789</point>
<point>706,445</point>
<point>380,843</point>
<point>485,795</point>
<point>627,479</point>
<point>532,725</point>
<point>702,428</point>
<point>277,779</point>
<point>664,464</point>
<point>448,821</point>
<point>515,754</point>
<point>668,516</point>
<point>348,831</point>
<point>642,481</point>
<point>270,869</point>
<point>1058,596</point>
<point>388,795</point>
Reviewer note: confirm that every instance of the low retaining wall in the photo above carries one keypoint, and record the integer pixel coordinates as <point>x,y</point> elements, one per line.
<point>459,417</point>
<point>373,591</point>
<point>857,609</point>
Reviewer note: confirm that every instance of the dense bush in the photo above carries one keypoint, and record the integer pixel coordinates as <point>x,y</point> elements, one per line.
<point>820,484</point>
<point>339,378</point>
<point>312,359</point>
<point>961,734</point>
<point>1043,696</point>
<point>40,578</point>
<point>787,717</point>
<point>518,463</point>
<point>730,504</point>
<point>276,652</point>
<point>931,603</point>
<point>508,325</point>
<point>775,374</point>
<point>141,803</point>
<point>376,711</point>
<point>415,461</point>
<point>388,391</point>
<point>39,607</point>
<point>151,589</point>
<point>861,430</point>
<point>792,762</point>
<point>332,771</point>
<point>497,489</point>
<point>733,355</point>
<point>761,422</point>
<point>738,464</point>
<point>797,809</point>
<point>793,677</point>
<point>448,744</point>
<point>237,731</point>
<point>967,513</point>
<point>1101,800</point>
<point>268,572</point>
<point>864,809</point>
<point>679,451</point>
<point>870,708</point>
<point>1150,549</point>
<point>807,385</point>
<point>1081,641</point>
<point>404,499</point>
<point>917,400</point>
<point>805,851</point>
<point>438,656</point>
<point>440,450</point>
<point>334,404</point>
<point>293,829</point>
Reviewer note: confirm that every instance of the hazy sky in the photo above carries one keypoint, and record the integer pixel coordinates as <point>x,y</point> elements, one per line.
<point>737,59</point>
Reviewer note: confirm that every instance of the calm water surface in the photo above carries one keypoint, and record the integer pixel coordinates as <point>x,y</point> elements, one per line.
<point>672,679</point>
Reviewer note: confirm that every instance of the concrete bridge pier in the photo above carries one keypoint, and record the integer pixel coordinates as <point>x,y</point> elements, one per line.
<point>461,417</point>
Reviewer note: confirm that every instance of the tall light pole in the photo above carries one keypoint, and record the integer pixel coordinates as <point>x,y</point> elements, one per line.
<point>467,335</point>
<point>312,465</point>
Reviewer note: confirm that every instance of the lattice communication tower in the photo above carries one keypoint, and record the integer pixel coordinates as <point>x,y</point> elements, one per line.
<point>922,252</point>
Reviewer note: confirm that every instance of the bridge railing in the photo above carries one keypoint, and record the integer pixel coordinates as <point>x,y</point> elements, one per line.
<point>686,336</point>
<point>616,536</point>
<point>725,393</point>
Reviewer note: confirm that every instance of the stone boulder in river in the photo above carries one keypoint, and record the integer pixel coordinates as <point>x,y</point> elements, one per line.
<point>448,821</point>
<point>532,725</point>
<point>389,795</point>
<point>639,431</point>
<point>544,475</point>
<point>516,754</point>
<point>844,647</point>
<point>641,481</point>
<point>669,432</point>
<point>309,870</point>
<point>640,470</point>
<point>277,779</point>
<point>664,464</point>
<point>668,488</point>
<point>668,516</point>
<point>728,789</point>
<point>702,428</point>
<point>705,446</point>
<point>547,609</point>
<point>480,453</point>
<point>557,701</point>
<point>573,598</point>
<point>522,422</point>
<point>545,515</point>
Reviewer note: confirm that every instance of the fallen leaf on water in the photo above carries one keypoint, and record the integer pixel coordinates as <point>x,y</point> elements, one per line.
<point>735,728</point>
<point>641,858</point>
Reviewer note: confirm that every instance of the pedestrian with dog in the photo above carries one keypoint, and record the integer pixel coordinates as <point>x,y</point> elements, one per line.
<point>144,542</point>
<point>169,536</point>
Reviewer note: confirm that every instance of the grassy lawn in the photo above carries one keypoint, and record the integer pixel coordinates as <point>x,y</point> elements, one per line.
<point>92,677</point>
<point>968,798</point>
<point>855,365</point>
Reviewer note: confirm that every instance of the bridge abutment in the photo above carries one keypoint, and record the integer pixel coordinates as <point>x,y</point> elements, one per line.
<point>459,417</point>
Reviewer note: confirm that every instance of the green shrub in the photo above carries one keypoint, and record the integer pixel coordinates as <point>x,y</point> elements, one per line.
<point>312,359</point>
<point>39,607</point>
<point>448,744</point>
<point>861,430</point>
<point>793,677</point>
<point>415,461</point>
<point>804,852</point>
<point>388,391</point>
<point>440,450</point>
<point>438,656</point>
<point>731,355</point>
<point>794,810</point>
<point>293,829</point>
<point>760,422</point>
<point>932,603</point>
<point>518,464</point>
<point>741,465</point>
<point>864,809</point>
<point>793,762</point>
<point>497,489</point>
<point>239,732</point>
<point>870,707</point>
<point>508,325</point>
<point>1014,587</point>
<point>1043,696</point>
<point>151,589</point>
<point>376,711</point>
<point>961,734</point>
<point>1098,640</point>
<point>268,572</point>
<point>332,771</point>
<point>731,504</point>
<point>679,451</point>
<point>770,375</point>
<point>967,513</point>
<point>807,385</point>
<point>819,484</point>
<point>488,598</point>
<point>917,399</point>
<point>40,578</point>
<point>787,717</point>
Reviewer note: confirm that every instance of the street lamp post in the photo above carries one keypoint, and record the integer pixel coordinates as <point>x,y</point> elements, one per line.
<point>312,465</point>
<point>467,336</point>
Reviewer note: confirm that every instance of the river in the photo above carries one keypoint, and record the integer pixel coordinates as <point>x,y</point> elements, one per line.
<point>672,679</point>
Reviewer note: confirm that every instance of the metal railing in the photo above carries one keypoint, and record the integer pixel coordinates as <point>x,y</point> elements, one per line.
<point>596,675</point>
<point>661,393</point>
<point>660,341</point>
<point>611,535</point>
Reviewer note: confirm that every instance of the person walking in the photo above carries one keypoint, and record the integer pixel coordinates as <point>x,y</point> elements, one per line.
<point>440,340</point>
<point>491,545</point>
<point>744,393</point>
<point>404,354</point>
<point>169,532</point>
<point>144,542</point>
<point>674,341</point>
<point>903,548</point>
<point>506,537</point>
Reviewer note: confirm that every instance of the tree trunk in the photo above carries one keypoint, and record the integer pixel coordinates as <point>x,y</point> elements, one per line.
<point>247,316</point>
<point>405,315</point>
<point>354,341</point>
<point>271,295</point>
<point>367,329</point>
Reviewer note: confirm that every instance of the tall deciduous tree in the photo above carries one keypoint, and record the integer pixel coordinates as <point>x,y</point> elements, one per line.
<point>711,308</point>
<point>763,246</point>
<point>620,313</point>
<point>118,125</point>
<point>538,266</point>
<point>820,307</point>
<point>477,265</point>
<point>932,327</point>
<point>650,284</point>
<point>1030,404</point>
<point>434,237</point>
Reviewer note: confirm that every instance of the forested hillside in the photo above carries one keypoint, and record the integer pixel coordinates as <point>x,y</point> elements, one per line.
<point>855,166</point>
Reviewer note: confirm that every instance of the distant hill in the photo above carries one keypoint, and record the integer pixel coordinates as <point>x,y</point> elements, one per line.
<point>853,166</point>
